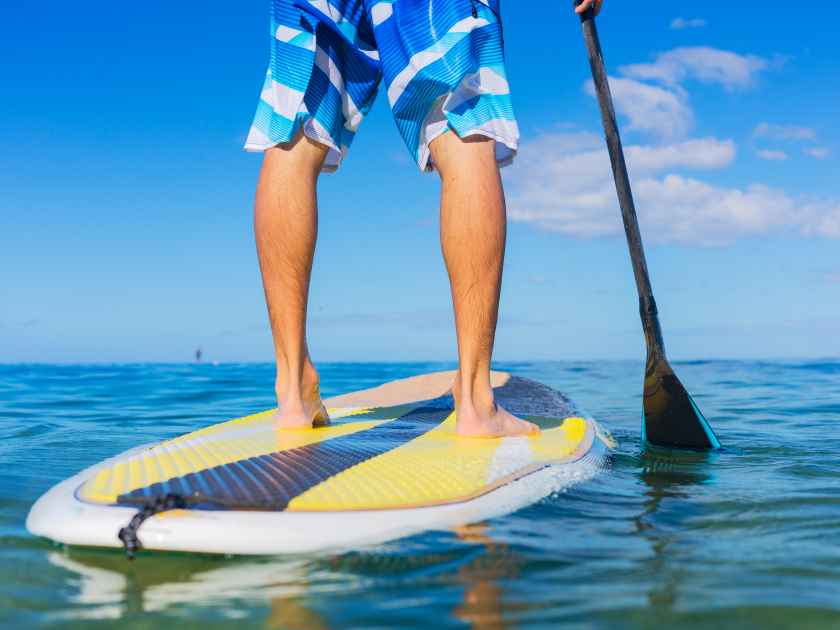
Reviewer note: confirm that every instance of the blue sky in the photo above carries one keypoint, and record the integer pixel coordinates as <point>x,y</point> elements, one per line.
<point>125,214</point>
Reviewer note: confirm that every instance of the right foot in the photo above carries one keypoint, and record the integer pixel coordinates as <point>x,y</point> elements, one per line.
<point>301,409</point>
<point>498,422</point>
<point>486,419</point>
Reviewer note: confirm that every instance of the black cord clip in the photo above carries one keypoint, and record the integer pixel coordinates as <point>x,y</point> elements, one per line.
<point>128,534</point>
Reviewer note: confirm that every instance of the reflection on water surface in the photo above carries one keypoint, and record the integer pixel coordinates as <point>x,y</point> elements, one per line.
<point>747,536</point>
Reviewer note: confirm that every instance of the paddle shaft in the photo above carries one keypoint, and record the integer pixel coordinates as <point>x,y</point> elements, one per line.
<point>647,305</point>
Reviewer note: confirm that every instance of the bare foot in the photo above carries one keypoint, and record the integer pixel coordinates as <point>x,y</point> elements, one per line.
<point>480,416</point>
<point>301,408</point>
<point>497,423</point>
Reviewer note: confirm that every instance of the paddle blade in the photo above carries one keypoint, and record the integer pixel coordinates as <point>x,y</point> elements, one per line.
<point>671,417</point>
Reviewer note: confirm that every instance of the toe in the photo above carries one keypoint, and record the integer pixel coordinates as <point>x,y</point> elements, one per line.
<point>527,428</point>
<point>515,426</point>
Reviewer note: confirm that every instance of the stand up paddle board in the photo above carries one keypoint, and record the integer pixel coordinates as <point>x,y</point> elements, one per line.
<point>390,464</point>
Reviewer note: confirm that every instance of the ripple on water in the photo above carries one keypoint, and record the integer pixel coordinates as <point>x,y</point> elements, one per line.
<point>745,537</point>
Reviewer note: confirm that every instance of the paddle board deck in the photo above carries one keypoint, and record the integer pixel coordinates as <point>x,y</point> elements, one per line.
<point>390,464</point>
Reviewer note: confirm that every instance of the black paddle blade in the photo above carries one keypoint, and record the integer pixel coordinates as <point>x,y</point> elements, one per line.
<point>672,418</point>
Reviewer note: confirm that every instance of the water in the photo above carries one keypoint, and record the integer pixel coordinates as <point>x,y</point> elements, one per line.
<point>748,536</point>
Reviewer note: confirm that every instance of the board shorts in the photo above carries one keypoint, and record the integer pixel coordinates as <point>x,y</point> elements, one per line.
<point>442,62</point>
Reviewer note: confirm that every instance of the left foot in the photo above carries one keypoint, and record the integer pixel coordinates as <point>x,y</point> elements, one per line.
<point>301,408</point>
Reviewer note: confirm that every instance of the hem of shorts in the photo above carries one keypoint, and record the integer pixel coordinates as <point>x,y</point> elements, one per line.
<point>326,168</point>
<point>425,158</point>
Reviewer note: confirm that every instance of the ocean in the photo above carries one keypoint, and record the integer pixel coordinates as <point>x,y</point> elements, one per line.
<point>745,537</point>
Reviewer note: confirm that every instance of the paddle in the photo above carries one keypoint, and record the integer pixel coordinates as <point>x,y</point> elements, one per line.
<point>671,417</point>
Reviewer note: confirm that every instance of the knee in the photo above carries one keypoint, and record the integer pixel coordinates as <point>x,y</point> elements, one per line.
<point>298,158</point>
<point>473,154</point>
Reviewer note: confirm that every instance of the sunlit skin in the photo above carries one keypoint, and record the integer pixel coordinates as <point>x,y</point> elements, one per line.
<point>286,228</point>
<point>473,226</point>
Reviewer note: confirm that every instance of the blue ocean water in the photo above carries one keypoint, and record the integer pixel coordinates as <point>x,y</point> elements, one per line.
<point>749,536</point>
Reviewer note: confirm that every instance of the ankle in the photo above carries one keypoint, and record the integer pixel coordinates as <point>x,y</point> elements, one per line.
<point>309,375</point>
<point>293,387</point>
<point>473,395</point>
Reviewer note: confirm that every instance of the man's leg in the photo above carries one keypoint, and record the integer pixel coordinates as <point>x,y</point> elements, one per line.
<point>472,229</point>
<point>286,227</point>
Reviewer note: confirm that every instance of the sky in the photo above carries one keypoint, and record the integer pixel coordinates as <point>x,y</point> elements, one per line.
<point>126,200</point>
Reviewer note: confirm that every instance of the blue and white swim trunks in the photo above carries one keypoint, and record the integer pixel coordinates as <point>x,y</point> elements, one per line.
<point>442,61</point>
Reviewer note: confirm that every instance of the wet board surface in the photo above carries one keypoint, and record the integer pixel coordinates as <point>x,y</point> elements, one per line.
<point>391,450</point>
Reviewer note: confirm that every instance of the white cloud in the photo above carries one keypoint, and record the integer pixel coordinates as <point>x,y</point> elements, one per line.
<point>703,63</point>
<point>772,155</point>
<point>650,108</point>
<point>819,153</point>
<point>681,23</point>
<point>562,180</point>
<point>690,211</point>
<point>820,218</point>
<point>700,154</point>
<point>652,97</point>
<point>784,132</point>
<point>563,183</point>
<point>556,156</point>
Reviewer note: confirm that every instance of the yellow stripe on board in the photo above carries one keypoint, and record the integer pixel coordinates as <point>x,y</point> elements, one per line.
<point>437,467</point>
<point>212,446</point>
<point>561,442</point>
<point>262,418</point>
